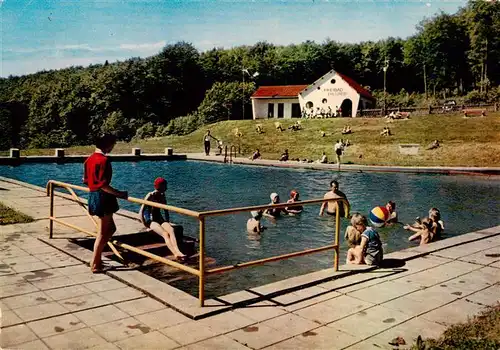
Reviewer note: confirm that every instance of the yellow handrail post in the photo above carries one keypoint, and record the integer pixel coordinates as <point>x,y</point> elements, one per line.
<point>51,212</point>
<point>337,230</point>
<point>201,292</point>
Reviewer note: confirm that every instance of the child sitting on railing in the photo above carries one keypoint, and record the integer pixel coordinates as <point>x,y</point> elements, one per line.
<point>151,218</point>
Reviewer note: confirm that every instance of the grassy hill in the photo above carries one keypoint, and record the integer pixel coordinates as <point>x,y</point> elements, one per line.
<point>473,141</point>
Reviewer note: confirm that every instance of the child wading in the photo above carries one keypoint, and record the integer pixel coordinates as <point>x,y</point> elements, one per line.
<point>102,197</point>
<point>151,218</point>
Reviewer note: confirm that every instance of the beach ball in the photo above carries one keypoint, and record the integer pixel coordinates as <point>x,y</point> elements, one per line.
<point>378,216</point>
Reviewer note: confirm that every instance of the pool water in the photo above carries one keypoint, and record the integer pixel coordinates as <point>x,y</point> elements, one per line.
<point>466,203</point>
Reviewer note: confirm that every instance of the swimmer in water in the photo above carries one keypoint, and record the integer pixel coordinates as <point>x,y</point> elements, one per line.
<point>274,212</point>
<point>253,224</point>
<point>295,209</point>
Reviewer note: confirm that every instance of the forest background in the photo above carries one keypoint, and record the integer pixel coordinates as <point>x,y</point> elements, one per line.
<point>178,90</point>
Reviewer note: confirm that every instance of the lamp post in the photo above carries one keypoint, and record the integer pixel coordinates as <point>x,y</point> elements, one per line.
<point>254,75</point>
<point>386,66</point>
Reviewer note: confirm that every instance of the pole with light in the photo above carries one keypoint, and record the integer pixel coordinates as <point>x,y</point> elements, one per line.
<point>386,66</point>
<point>254,75</point>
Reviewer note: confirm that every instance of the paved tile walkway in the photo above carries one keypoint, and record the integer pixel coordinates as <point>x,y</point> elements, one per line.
<point>50,300</point>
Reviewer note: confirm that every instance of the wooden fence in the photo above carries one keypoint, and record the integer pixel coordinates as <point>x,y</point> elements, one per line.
<point>379,112</point>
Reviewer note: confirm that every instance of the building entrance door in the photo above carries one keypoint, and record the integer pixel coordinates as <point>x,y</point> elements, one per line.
<point>281,109</point>
<point>296,110</point>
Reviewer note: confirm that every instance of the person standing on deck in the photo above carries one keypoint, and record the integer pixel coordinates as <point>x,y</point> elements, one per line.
<point>97,173</point>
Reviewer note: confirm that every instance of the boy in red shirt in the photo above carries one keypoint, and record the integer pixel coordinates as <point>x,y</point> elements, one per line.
<point>102,197</point>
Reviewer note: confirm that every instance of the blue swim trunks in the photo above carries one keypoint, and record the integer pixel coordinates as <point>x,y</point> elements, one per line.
<point>102,203</point>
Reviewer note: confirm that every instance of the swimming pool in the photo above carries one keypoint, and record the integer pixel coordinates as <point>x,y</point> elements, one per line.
<point>467,204</point>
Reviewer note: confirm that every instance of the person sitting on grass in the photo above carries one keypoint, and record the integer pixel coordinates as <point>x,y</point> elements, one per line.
<point>346,130</point>
<point>253,224</point>
<point>279,126</point>
<point>386,132</point>
<point>259,129</point>
<point>324,159</point>
<point>371,245</point>
<point>295,209</point>
<point>255,155</point>
<point>435,144</point>
<point>284,156</point>
<point>151,218</point>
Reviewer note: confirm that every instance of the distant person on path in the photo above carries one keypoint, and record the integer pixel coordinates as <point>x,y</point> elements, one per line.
<point>294,198</point>
<point>339,148</point>
<point>371,245</point>
<point>253,224</point>
<point>206,142</point>
<point>331,206</point>
<point>151,218</point>
<point>102,197</point>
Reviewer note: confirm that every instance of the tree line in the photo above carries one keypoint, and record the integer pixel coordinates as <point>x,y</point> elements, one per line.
<point>180,88</point>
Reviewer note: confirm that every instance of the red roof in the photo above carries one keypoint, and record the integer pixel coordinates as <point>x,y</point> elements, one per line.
<point>361,90</point>
<point>278,91</point>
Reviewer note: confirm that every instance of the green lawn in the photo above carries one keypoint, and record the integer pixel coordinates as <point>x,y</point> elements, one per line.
<point>10,216</point>
<point>473,141</point>
<point>481,332</point>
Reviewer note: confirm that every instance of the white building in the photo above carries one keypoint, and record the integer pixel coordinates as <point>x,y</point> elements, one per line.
<point>331,92</point>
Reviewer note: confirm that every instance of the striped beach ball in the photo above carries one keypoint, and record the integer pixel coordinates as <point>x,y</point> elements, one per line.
<point>378,216</point>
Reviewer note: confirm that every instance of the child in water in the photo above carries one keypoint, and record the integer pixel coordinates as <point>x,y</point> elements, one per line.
<point>296,209</point>
<point>425,233</point>
<point>151,218</point>
<point>253,224</point>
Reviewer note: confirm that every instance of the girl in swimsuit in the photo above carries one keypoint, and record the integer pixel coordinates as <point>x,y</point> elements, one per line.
<point>152,218</point>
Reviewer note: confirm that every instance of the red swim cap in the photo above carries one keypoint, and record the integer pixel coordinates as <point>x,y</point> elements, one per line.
<point>159,182</point>
<point>293,193</point>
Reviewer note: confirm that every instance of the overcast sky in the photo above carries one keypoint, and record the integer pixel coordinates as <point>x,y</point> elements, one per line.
<point>48,34</point>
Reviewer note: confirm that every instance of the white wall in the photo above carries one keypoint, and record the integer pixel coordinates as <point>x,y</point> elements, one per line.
<point>259,107</point>
<point>335,93</point>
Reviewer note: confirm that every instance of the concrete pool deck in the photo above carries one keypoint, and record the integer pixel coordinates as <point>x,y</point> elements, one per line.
<point>50,300</point>
<point>484,171</point>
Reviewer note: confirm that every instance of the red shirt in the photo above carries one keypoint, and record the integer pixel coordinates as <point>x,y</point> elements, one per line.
<point>97,171</point>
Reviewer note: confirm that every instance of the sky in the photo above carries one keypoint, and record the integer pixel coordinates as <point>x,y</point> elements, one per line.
<point>52,34</point>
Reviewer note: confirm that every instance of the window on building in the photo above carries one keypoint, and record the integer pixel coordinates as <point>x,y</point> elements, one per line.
<point>281,110</point>
<point>309,104</point>
<point>333,81</point>
<point>270,110</point>
<point>324,101</point>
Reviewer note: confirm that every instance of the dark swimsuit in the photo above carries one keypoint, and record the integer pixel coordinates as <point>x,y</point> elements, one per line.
<point>151,214</point>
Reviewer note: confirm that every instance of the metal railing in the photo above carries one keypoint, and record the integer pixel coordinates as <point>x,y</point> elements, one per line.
<point>201,272</point>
